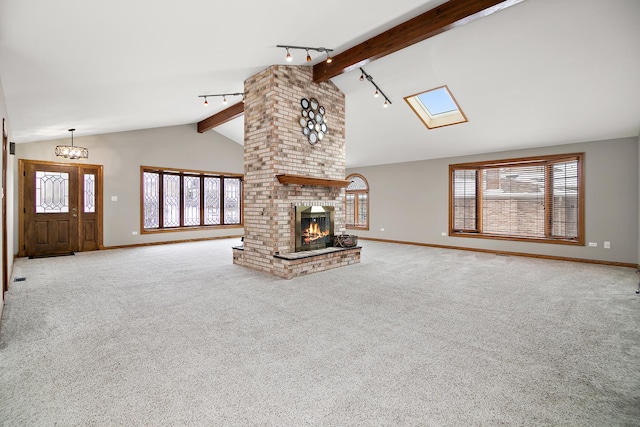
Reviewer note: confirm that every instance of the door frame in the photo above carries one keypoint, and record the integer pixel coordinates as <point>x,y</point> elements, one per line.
<point>21,208</point>
<point>5,250</point>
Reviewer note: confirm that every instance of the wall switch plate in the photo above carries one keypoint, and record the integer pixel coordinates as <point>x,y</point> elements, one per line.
<point>593,244</point>
<point>114,198</point>
<point>382,229</point>
<point>134,233</point>
<point>443,234</point>
<point>607,245</point>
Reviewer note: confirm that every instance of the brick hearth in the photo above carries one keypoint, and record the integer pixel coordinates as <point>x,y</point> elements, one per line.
<point>274,145</point>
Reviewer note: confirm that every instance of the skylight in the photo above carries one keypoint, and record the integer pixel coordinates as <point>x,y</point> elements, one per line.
<point>436,108</point>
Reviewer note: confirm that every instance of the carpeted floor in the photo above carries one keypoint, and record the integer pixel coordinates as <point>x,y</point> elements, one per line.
<point>178,335</point>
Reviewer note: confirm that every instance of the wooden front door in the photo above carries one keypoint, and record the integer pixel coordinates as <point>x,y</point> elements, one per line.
<point>61,208</point>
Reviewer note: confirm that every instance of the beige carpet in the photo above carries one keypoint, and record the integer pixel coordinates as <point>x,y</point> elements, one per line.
<point>178,335</point>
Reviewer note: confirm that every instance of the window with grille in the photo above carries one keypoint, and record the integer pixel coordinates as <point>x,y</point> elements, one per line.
<point>536,198</point>
<point>89,193</point>
<point>357,202</point>
<point>184,199</point>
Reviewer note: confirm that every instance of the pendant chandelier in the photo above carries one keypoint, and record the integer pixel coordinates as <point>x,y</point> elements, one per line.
<point>71,152</point>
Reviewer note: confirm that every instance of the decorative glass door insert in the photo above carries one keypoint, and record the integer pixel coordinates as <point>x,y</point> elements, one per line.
<point>89,193</point>
<point>52,192</point>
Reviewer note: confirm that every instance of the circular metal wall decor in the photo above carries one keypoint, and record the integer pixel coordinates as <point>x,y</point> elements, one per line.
<point>313,120</point>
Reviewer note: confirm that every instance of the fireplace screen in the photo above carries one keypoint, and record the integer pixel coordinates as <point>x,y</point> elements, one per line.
<point>314,227</point>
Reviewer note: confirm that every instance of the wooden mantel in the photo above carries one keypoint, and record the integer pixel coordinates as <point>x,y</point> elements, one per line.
<point>287,179</point>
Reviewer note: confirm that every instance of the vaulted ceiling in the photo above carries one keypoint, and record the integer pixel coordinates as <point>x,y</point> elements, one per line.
<point>539,73</point>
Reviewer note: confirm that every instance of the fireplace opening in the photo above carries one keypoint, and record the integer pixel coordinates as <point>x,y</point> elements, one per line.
<point>314,227</point>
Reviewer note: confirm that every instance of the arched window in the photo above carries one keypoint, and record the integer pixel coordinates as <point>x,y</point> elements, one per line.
<point>357,202</point>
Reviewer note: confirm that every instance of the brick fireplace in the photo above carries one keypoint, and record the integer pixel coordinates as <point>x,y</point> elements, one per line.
<point>284,173</point>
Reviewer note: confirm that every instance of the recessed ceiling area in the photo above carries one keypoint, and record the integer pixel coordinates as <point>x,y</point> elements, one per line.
<point>535,74</point>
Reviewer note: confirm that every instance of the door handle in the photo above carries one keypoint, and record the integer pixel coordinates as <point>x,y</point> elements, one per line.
<point>75,209</point>
<point>75,215</point>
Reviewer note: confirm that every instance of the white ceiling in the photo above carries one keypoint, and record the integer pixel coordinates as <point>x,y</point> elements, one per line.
<point>542,72</point>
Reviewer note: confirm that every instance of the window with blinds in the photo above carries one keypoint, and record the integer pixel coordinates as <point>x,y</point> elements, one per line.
<point>539,199</point>
<point>357,202</point>
<point>187,199</point>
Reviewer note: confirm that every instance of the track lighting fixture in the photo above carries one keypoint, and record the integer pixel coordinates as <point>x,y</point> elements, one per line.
<point>378,92</point>
<point>289,58</point>
<point>71,151</point>
<point>223,95</point>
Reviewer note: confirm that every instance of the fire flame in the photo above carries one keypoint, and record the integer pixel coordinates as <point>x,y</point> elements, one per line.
<point>313,233</point>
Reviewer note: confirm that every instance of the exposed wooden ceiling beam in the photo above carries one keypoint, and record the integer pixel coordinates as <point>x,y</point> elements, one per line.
<point>230,113</point>
<point>450,15</point>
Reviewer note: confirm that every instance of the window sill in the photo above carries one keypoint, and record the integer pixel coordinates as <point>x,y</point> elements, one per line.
<point>179,229</point>
<point>518,239</point>
<point>355,227</point>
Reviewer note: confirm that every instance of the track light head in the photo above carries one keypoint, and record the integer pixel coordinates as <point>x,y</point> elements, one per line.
<point>329,58</point>
<point>378,92</point>
<point>289,58</point>
<point>223,95</point>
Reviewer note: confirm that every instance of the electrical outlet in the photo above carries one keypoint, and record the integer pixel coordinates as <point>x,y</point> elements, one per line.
<point>134,233</point>
<point>443,234</point>
<point>114,198</point>
<point>593,244</point>
<point>607,245</point>
<point>382,229</point>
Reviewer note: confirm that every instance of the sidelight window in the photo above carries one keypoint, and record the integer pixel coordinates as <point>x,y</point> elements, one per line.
<point>89,193</point>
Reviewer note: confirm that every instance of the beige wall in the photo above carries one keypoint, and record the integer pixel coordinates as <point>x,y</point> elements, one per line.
<point>123,153</point>
<point>410,201</point>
